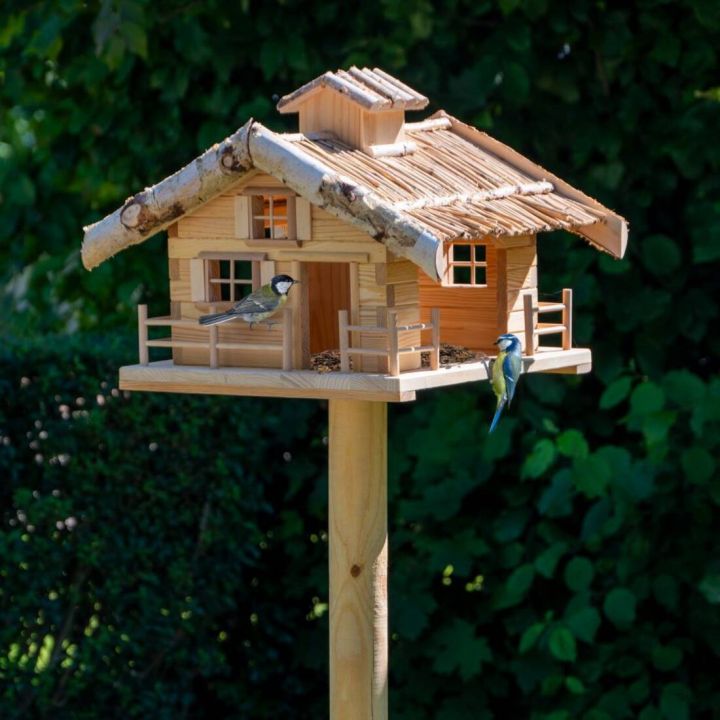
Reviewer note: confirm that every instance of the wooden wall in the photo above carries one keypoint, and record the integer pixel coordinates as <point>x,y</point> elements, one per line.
<point>474,317</point>
<point>468,315</point>
<point>213,228</point>
<point>517,264</point>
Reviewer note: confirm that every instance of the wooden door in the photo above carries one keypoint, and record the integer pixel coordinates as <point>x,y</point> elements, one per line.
<point>328,292</point>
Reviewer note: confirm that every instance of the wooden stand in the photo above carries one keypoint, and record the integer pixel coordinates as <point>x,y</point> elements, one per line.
<point>358,543</point>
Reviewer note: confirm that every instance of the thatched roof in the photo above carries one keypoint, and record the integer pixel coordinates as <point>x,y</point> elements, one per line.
<point>450,181</point>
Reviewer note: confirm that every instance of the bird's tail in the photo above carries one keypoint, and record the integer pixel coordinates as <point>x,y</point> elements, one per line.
<point>498,413</point>
<point>216,318</point>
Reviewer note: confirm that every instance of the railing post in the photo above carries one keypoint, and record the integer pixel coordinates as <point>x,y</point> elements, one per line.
<point>287,351</point>
<point>344,360</point>
<point>143,352</point>
<point>529,323</point>
<point>435,354</point>
<point>567,319</point>
<point>212,341</point>
<point>393,356</point>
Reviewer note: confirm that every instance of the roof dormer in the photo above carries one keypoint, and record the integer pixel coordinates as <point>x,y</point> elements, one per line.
<point>362,107</point>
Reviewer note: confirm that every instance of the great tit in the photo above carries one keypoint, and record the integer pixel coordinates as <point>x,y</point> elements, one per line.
<point>258,306</point>
<point>505,373</point>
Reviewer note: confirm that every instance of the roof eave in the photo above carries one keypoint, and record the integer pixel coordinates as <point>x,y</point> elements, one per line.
<point>608,234</point>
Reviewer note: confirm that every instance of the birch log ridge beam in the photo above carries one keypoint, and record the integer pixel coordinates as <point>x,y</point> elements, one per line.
<point>155,208</point>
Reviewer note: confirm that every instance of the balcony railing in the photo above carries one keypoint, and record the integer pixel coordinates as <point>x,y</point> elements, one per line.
<point>534,328</point>
<point>391,331</point>
<point>213,345</point>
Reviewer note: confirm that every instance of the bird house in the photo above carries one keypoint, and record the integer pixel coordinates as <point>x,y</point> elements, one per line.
<point>405,235</point>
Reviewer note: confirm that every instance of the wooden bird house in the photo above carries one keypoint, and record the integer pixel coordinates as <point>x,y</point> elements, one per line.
<point>404,235</point>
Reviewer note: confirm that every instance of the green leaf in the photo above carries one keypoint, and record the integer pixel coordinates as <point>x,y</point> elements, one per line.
<point>461,650</point>
<point>547,561</point>
<point>584,623</point>
<point>571,443</point>
<point>591,476</point>
<point>539,460</point>
<point>647,398</point>
<point>516,587</point>
<point>619,607</point>
<point>710,587</point>
<point>579,573</point>
<point>556,500</point>
<point>666,657</point>
<point>698,465</point>
<point>660,255</point>
<point>675,702</point>
<point>615,393</point>
<point>562,644</point>
<point>574,685</point>
<point>530,637</point>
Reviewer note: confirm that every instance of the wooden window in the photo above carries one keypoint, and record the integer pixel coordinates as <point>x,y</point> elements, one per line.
<point>467,264</point>
<point>272,217</point>
<point>229,280</point>
<point>227,277</point>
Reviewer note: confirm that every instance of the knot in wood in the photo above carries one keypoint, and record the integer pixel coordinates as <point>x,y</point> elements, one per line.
<point>355,570</point>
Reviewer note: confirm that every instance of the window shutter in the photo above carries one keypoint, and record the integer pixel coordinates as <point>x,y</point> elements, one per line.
<point>197,280</point>
<point>242,216</point>
<point>303,218</point>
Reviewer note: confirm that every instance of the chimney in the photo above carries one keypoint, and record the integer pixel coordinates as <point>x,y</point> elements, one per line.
<point>364,108</point>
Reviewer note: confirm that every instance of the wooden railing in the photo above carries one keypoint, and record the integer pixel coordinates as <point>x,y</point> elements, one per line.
<point>534,328</point>
<point>212,344</point>
<point>391,331</point>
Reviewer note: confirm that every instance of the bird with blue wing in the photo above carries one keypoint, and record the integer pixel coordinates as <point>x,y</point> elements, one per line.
<point>505,373</point>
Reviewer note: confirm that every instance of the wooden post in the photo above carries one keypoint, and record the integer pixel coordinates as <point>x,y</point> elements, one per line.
<point>567,319</point>
<point>344,360</point>
<point>358,545</point>
<point>212,340</point>
<point>435,354</point>
<point>287,340</point>
<point>144,354</point>
<point>529,324</point>
<point>393,356</point>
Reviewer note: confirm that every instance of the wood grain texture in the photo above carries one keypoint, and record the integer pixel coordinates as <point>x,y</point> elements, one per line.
<point>329,292</point>
<point>469,315</point>
<point>358,549</point>
<point>165,376</point>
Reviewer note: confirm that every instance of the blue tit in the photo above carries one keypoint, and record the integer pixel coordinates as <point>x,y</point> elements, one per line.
<point>505,372</point>
<point>258,306</point>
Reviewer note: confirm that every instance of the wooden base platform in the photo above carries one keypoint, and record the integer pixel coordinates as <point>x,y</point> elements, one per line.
<point>164,376</point>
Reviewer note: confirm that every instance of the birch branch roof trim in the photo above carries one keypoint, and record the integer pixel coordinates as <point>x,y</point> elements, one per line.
<point>458,183</point>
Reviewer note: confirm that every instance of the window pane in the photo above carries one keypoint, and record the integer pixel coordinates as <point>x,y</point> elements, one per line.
<point>280,228</point>
<point>480,276</point>
<point>479,253</point>
<point>224,269</point>
<point>241,291</point>
<point>280,206</point>
<point>461,276</point>
<point>243,270</point>
<point>225,292</point>
<point>461,252</point>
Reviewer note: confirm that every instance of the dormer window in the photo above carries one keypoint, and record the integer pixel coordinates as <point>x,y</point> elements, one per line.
<point>271,217</point>
<point>267,216</point>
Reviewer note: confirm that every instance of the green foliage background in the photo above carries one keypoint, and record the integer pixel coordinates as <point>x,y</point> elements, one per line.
<point>165,556</point>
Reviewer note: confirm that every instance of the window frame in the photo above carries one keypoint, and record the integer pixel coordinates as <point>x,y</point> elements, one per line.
<point>256,202</point>
<point>213,259</point>
<point>472,264</point>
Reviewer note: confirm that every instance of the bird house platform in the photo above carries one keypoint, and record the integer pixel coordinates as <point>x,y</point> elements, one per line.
<point>165,376</point>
